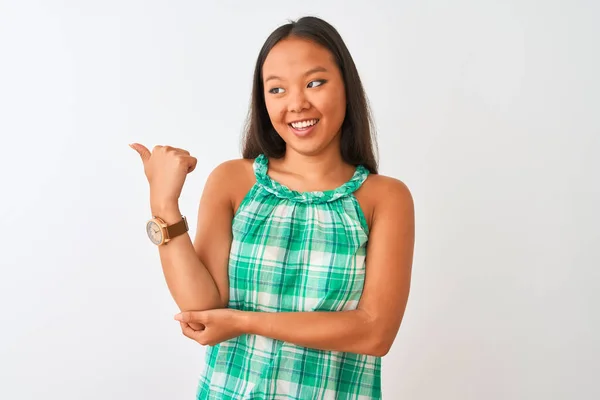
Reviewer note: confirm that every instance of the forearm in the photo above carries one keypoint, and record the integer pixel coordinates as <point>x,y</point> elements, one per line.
<point>347,331</point>
<point>189,282</point>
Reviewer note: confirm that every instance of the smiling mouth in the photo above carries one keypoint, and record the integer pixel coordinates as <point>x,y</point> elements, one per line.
<point>303,125</point>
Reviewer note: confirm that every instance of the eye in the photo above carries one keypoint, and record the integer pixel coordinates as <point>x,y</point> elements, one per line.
<point>276,91</point>
<point>316,83</point>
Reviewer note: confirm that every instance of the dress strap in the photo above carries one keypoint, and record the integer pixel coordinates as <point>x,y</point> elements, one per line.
<point>261,167</point>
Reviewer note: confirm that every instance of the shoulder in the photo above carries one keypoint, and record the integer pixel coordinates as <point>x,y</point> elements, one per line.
<point>386,197</point>
<point>231,179</point>
<point>387,189</point>
<point>392,196</point>
<point>231,174</point>
<point>232,169</point>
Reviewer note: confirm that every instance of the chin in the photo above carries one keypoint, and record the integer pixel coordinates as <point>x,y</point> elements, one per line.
<point>310,148</point>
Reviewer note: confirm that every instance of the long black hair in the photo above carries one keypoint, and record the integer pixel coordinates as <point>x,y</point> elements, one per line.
<point>358,143</point>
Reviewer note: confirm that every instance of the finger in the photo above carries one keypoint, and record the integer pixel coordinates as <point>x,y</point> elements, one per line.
<point>176,150</point>
<point>193,334</point>
<point>187,330</point>
<point>190,327</point>
<point>193,163</point>
<point>187,162</point>
<point>193,327</point>
<point>190,316</point>
<point>182,151</point>
<point>141,150</point>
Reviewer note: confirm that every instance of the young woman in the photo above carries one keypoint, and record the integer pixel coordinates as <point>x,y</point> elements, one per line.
<point>299,273</point>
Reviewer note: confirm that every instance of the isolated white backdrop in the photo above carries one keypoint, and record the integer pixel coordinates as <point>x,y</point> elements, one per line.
<point>487,110</point>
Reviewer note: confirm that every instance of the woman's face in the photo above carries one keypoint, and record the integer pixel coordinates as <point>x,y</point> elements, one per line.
<point>304,94</point>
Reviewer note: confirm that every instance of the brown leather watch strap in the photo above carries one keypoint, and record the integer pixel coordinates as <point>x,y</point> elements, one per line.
<point>178,228</point>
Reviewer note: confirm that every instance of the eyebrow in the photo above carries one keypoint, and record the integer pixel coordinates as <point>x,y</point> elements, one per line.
<point>307,73</point>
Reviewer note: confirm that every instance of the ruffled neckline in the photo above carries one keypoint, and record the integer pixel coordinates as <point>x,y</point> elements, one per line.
<point>261,167</point>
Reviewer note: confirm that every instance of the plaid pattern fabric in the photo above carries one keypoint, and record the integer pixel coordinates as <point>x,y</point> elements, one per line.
<point>293,251</point>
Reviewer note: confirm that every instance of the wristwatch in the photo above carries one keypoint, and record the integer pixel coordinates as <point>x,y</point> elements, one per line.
<point>160,233</point>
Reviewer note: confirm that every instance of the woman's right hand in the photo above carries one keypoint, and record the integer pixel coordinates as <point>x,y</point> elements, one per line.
<point>166,168</point>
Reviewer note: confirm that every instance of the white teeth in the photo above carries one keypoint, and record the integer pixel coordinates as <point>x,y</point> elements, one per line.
<point>304,124</point>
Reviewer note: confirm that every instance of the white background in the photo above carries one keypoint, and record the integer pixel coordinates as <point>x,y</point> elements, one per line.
<point>487,110</point>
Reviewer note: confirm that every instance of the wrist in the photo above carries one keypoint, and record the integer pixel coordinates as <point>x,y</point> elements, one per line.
<point>245,321</point>
<point>256,323</point>
<point>170,213</point>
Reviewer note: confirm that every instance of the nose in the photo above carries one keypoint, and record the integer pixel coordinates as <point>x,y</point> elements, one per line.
<point>298,102</point>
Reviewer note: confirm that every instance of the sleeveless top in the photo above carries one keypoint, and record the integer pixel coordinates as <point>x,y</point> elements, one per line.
<point>293,251</point>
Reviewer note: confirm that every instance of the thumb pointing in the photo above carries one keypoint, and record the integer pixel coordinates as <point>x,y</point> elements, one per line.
<point>141,150</point>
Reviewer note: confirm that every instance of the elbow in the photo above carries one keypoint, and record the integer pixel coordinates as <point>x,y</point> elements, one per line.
<point>379,338</point>
<point>378,346</point>
<point>378,334</point>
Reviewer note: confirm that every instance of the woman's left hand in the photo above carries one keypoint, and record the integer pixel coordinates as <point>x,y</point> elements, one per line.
<point>220,324</point>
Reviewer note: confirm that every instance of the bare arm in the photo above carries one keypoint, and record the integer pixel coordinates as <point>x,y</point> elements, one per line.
<point>196,273</point>
<point>372,327</point>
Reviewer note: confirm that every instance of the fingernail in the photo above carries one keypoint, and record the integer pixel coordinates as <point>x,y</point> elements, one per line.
<point>178,317</point>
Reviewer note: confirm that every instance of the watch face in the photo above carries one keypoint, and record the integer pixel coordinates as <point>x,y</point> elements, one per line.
<point>154,232</point>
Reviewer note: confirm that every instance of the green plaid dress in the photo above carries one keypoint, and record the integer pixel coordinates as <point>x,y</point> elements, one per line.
<point>293,251</point>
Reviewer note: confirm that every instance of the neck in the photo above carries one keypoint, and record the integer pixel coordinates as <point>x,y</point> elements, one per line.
<point>328,163</point>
